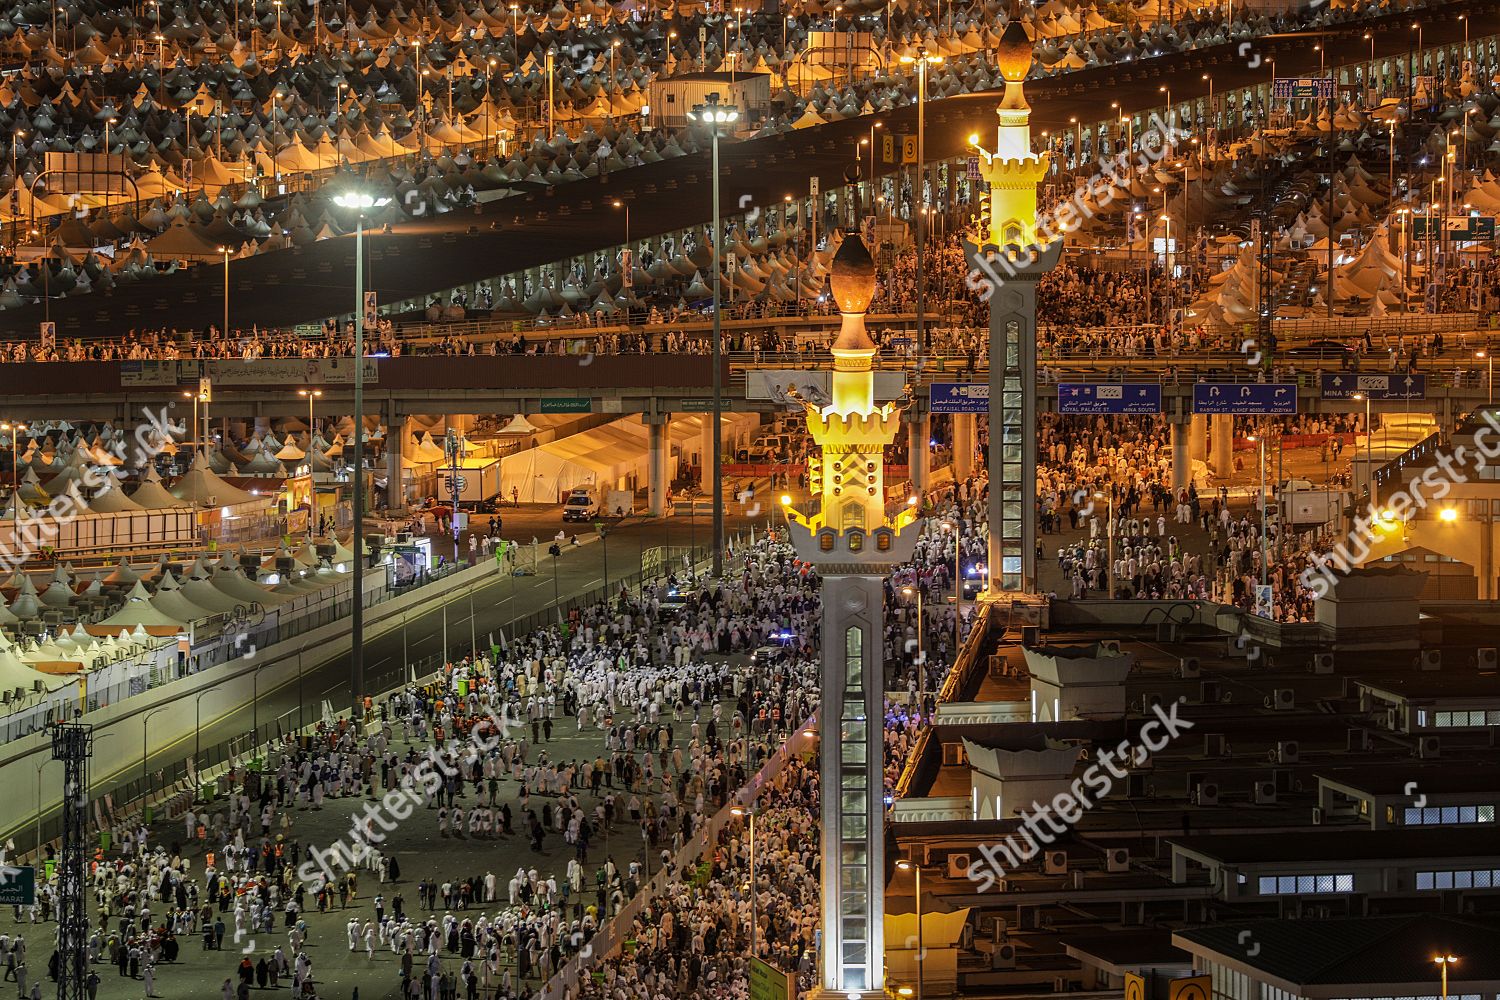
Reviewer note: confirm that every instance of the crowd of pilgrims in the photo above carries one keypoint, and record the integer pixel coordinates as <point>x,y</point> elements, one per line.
<point>679,730</point>
<point>1084,463</point>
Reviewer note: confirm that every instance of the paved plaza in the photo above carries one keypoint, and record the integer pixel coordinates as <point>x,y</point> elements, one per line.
<point>421,853</point>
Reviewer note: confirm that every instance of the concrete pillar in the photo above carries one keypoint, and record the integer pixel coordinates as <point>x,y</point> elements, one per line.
<point>964,446</point>
<point>1198,437</point>
<point>395,445</point>
<point>1182,466</point>
<point>919,458</point>
<point>705,465</point>
<point>656,444</point>
<point>1222,449</point>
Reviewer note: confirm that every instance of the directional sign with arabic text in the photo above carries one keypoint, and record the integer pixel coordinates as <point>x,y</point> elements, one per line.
<point>1398,385</point>
<point>1090,397</point>
<point>960,397</point>
<point>1244,397</point>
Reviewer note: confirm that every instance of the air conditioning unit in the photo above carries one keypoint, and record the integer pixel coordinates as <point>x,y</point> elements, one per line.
<point>1265,793</point>
<point>1283,699</point>
<point>1117,859</point>
<point>1004,956</point>
<point>1486,658</point>
<point>1287,751</point>
<point>959,865</point>
<point>1430,659</point>
<point>1429,747</point>
<point>1207,794</point>
<point>1213,744</point>
<point>1109,647</point>
<point>1152,698</point>
<point>1055,863</point>
<point>1318,816</point>
<point>1188,669</point>
<point>1322,663</point>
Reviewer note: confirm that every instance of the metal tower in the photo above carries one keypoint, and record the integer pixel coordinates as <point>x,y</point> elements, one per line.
<point>73,744</point>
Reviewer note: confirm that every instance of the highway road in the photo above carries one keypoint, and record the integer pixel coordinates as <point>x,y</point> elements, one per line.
<point>497,606</point>
<point>504,237</point>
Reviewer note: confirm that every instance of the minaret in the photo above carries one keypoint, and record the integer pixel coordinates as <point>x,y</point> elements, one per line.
<point>848,536</point>
<point>1006,250</point>
<point>1013,171</point>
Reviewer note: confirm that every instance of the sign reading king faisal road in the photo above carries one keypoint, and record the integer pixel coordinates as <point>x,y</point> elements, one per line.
<point>960,397</point>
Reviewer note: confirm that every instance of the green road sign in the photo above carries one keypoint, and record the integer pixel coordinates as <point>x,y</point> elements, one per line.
<point>17,885</point>
<point>768,982</point>
<point>697,406</point>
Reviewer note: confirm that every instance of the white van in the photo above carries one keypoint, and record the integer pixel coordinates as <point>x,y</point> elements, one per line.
<point>579,506</point>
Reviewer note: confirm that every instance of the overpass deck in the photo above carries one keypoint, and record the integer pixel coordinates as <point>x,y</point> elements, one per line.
<point>620,383</point>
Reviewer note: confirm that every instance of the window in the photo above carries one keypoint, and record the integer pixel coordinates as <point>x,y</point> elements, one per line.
<point>1464,878</point>
<point>1288,885</point>
<point>854,659</point>
<point>854,515</point>
<point>1448,815</point>
<point>1460,720</point>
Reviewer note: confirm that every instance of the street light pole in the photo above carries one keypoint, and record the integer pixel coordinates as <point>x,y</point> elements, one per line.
<point>145,751</point>
<point>921,652</point>
<point>15,427</point>
<point>714,114</point>
<point>919,195</point>
<point>1490,363</point>
<point>1443,961</point>
<point>1109,532</point>
<point>749,814</point>
<point>311,394</point>
<point>360,202</point>
<point>916,871</point>
<point>226,251</point>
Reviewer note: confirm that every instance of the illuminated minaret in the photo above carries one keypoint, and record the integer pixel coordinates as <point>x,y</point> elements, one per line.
<point>847,535</point>
<point>1006,249</point>
<point>1012,170</point>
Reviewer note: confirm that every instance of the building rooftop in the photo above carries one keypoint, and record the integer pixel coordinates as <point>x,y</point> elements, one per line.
<point>1436,684</point>
<point>1353,844</point>
<point>1379,951</point>
<point>1434,778</point>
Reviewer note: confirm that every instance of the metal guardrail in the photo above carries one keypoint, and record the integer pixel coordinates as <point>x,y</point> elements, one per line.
<point>959,675</point>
